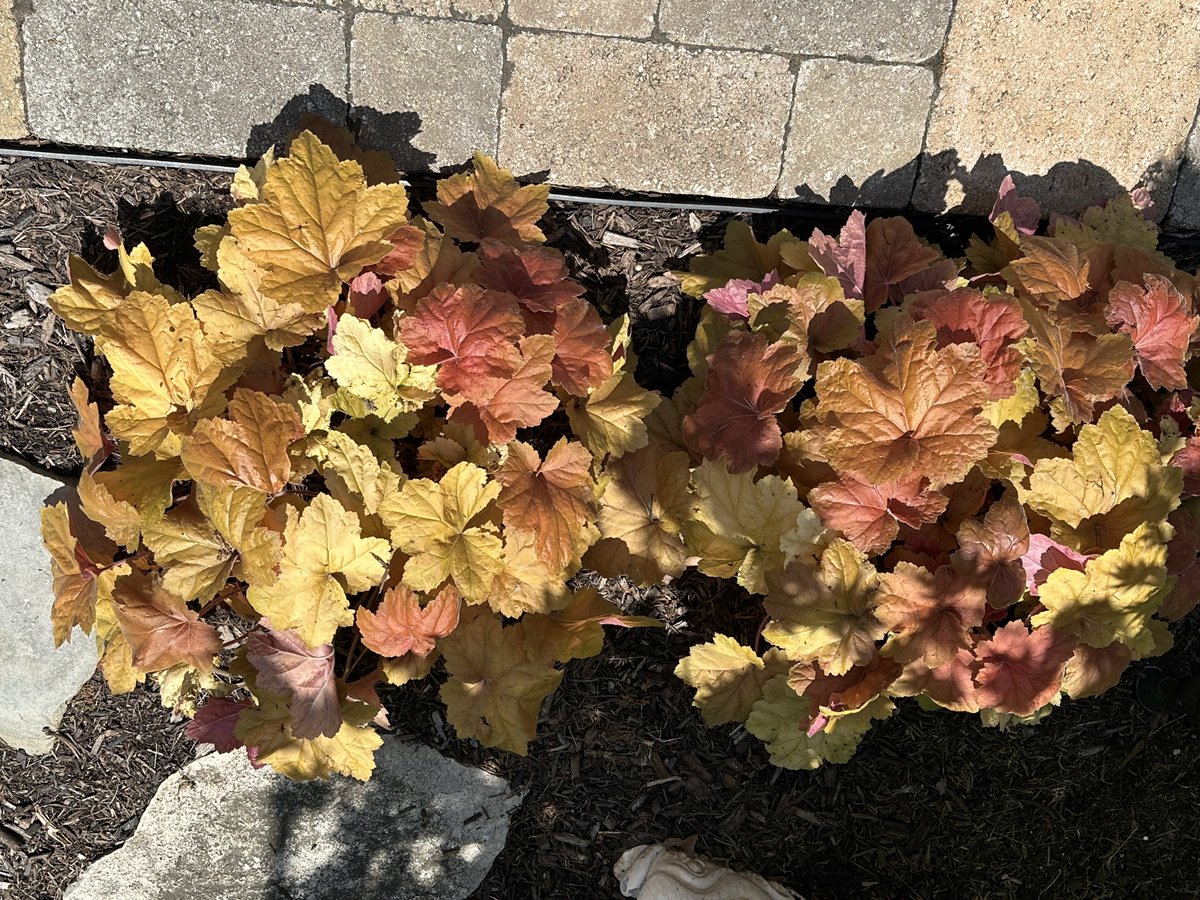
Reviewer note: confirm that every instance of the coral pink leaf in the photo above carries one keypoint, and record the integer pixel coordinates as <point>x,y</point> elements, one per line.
<point>930,614</point>
<point>214,724</point>
<point>1024,211</point>
<point>288,667</point>
<point>733,299</point>
<point>846,258</point>
<point>996,324</point>
<point>1020,671</point>
<point>497,406</point>
<point>401,625</point>
<point>536,276</point>
<point>869,515</point>
<point>1043,556</point>
<point>367,295</point>
<point>991,551</point>
<point>749,380</point>
<point>1159,321</point>
<point>581,357</point>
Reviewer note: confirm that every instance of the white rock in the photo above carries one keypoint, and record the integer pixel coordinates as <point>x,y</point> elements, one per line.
<point>423,827</point>
<point>36,680</point>
<point>661,872</point>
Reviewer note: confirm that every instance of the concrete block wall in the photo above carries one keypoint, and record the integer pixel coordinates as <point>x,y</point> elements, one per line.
<point>885,103</point>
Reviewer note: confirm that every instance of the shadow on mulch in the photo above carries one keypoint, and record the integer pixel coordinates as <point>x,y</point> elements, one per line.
<point>1100,801</point>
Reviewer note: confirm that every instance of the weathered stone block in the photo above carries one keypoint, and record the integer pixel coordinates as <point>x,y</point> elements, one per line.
<point>1085,99</point>
<point>885,30</point>
<point>1185,204</point>
<point>423,828</point>
<point>605,112</point>
<point>479,10</point>
<point>179,76</point>
<point>628,18</point>
<point>36,680</point>
<point>856,132</point>
<point>12,106</point>
<point>428,90</point>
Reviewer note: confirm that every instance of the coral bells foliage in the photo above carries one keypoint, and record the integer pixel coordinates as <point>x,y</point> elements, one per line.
<point>374,447</point>
<point>974,481</point>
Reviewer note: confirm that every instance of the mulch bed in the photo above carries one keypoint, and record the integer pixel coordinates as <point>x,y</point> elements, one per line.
<point>1100,801</point>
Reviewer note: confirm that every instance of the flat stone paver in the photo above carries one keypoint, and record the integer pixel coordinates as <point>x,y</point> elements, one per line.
<point>427,90</point>
<point>423,828</point>
<point>885,30</point>
<point>36,680</point>
<point>480,10</point>
<point>607,112</point>
<point>1063,91</point>
<point>180,76</point>
<point>856,132</point>
<point>12,106</point>
<point>628,18</point>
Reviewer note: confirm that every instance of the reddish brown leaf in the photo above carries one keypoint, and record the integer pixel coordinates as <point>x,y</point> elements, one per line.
<point>366,297</point>
<point>581,357</point>
<point>287,667</point>
<point>869,515</point>
<point>990,551</point>
<point>160,628</point>
<point>846,258</point>
<point>843,693</point>
<point>214,723</point>
<point>1049,269</point>
<point>469,333</point>
<point>536,276</point>
<point>551,499</point>
<point>1024,211</point>
<point>951,685</point>
<point>930,614</point>
<point>749,381</point>
<point>407,243</point>
<point>1021,671</point>
<point>893,254</point>
<point>401,625</point>
<point>1159,322</point>
<point>498,406</point>
<point>994,323</point>
<point>1188,459</point>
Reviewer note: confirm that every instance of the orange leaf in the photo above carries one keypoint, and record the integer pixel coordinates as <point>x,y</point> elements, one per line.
<point>90,438</point>
<point>552,499</point>
<point>498,406</point>
<point>249,447</point>
<point>581,357</point>
<point>994,323</point>
<point>893,254</point>
<point>749,380</point>
<point>930,614</point>
<point>160,628</point>
<point>1158,320</point>
<point>488,203</point>
<point>911,408</point>
<point>401,625</point>
<point>1021,671</point>
<point>990,551</point>
<point>869,515</point>
<point>535,276</point>
<point>1049,269</point>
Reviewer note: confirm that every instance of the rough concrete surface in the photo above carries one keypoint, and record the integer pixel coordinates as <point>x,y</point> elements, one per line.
<point>1088,99</point>
<point>36,680</point>
<point>428,90</point>
<point>885,30</point>
<point>12,106</point>
<point>480,10</point>
<point>180,76</point>
<point>630,18</point>
<point>605,112</point>
<point>423,828</point>
<point>856,132</point>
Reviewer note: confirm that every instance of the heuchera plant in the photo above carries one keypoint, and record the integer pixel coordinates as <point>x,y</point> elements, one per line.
<point>346,462</point>
<point>974,481</point>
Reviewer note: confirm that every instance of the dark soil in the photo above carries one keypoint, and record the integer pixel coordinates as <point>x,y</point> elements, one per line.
<point>1102,800</point>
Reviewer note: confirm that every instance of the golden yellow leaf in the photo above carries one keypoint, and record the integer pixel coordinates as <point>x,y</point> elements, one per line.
<point>371,366</point>
<point>322,550</point>
<point>237,513</point>
<point>611,420</point>
<point>728,677</point>
<point>489,203</point>
<point>195,559</point>
<point>317,224</point>
<point>742,256</point>
<point>575,631</point>
<point>88,434</point>
<point>524,583</point>
<point>351,751</point>
<point>443,526</point>
<point>495,691</point>
<point>79,581</point>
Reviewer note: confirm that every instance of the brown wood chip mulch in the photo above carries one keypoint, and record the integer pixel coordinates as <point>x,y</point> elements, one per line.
<point>1100,801</point>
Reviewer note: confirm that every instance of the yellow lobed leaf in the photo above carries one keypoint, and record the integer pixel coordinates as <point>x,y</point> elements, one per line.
<point>824,613</point>
<point>317,224</point>
<point>88,433</point>
<point>1114,480</point>
<point>237,513</point>
<point>116,659</point>
<point>737,524</point>
<point>489,203</point>
<point>728,677</point>
<point>322,550</point>
<point>781,717</point>
<point>79,582</point>
<point>371,366</point>
<point>1115,596</point>
<point>611,420</point>
<point>524,583</point>
<point>207,242</point>
<point>644,507</point>
<point>442,525</point>
<point>195,558</point>
<point>351,751</point>
<point>495,690</point>
<point>742,256</point>
<point>354,475</point>
<point>121,520</point>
